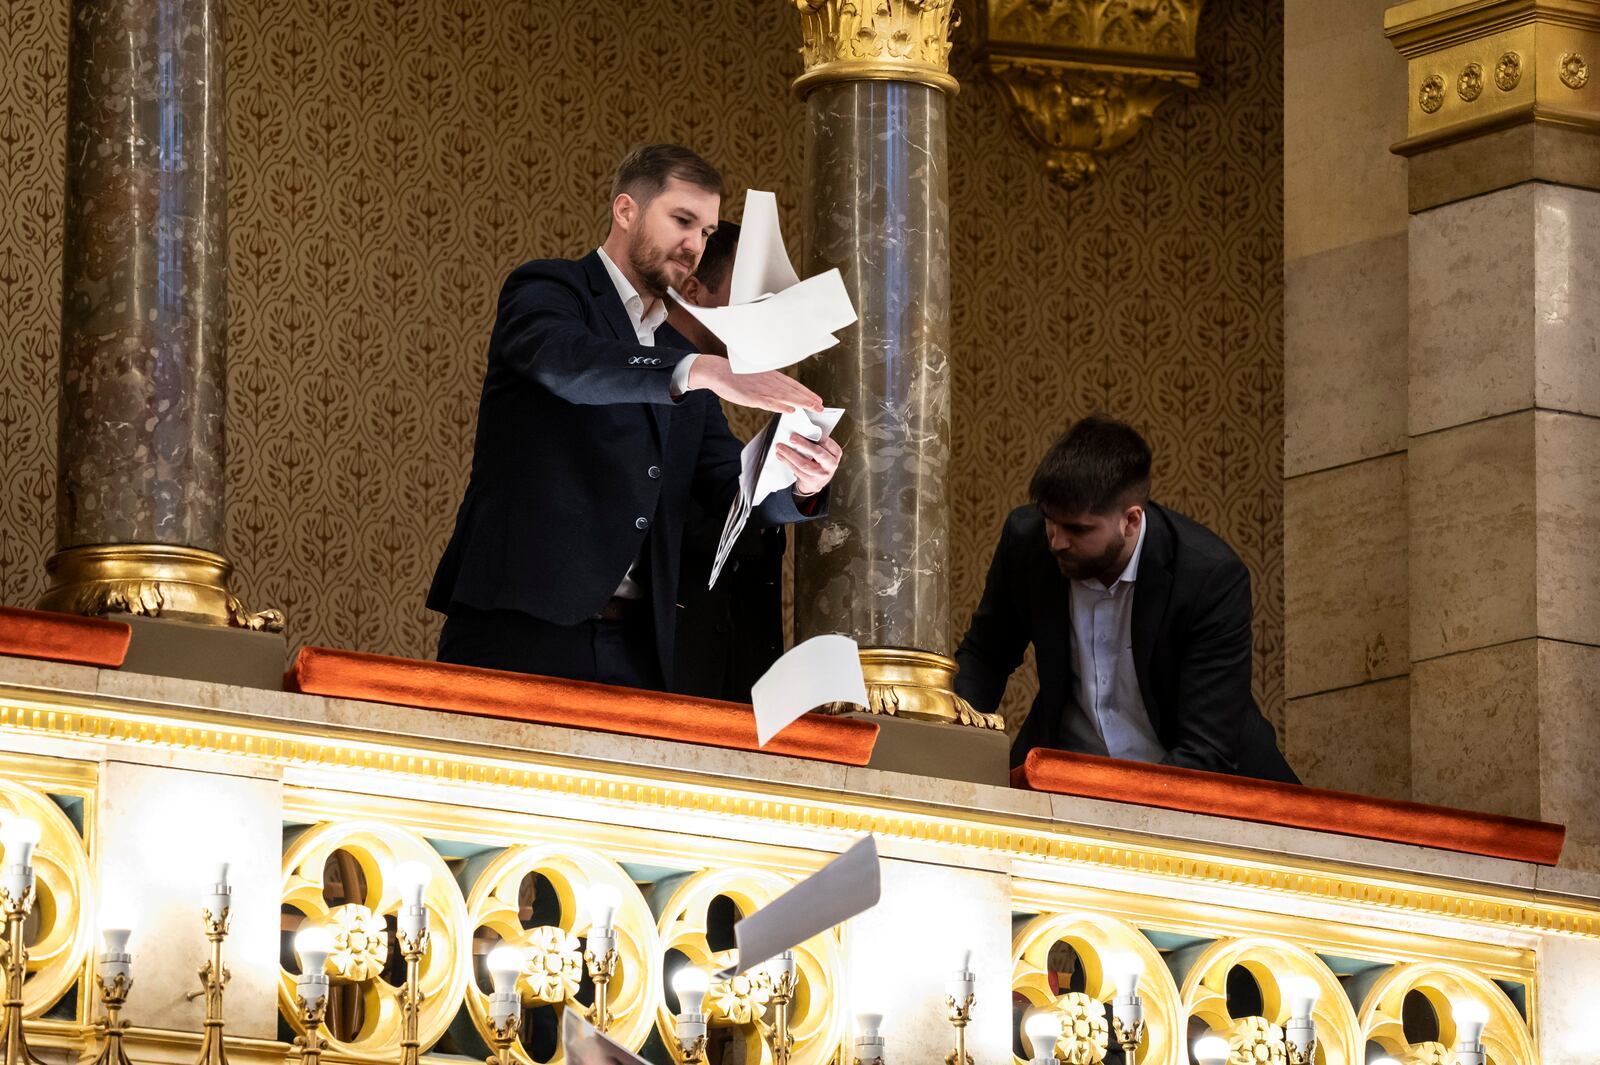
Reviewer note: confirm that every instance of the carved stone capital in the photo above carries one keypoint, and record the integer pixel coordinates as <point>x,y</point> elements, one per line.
<point>894,40</point>
<point>1085,75</point>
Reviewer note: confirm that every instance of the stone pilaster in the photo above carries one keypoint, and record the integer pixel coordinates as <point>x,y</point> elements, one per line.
<point>1503,406</point>
<point>139,525</point>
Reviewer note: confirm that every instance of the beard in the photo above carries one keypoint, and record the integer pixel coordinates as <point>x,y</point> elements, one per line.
<point>1096,568</point>
<point>654,266</point>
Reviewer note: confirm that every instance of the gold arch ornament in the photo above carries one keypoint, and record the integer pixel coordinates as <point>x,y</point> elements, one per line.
<point>379,849</point>
<point>1272,963</point>
<point>817,1019</point>
<point>64,914</point>
<point>1506,1038</point>
<point>493,903</point>
<point>1095,938</point>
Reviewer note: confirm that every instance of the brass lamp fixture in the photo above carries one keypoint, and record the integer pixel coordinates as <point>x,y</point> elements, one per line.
<point>114,977</point>
<point>1470,1016</point>
<point>600,951</point>
<point>1127,1011</point>
<point>18,889</point>
<point>411,932</point>
<point>962,995</point>
<point>690,984</point>
<point>1085,75</point>
<point>215,906</point>
<point>505,1004</point>
<point>785,978</point>
<point>1300,1034</point>
<point>313,944</point>
<point>869,1037</point>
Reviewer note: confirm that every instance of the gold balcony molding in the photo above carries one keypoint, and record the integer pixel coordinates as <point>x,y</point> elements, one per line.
<point>1476,67</point>
<point>886,40</point>
<point>1085,75</point>
<point>902,682</point>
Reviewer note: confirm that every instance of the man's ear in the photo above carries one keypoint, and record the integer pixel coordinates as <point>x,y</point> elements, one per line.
<point>1132,518</point>
<point>694,291</point>
<point>624,211</point>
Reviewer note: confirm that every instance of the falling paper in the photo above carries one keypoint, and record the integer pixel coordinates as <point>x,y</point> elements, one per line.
<point>585,1045</point>
<point>838,891</point>
<point>824,669</point>
<point>773,319</point>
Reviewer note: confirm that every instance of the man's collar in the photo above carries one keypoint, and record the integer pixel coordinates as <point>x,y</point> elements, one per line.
<point>630,295</point>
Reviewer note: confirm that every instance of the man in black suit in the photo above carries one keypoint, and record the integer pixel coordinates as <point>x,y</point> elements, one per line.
<point>1139,619</point>
<point>730,633</point>
<point>591,441</point>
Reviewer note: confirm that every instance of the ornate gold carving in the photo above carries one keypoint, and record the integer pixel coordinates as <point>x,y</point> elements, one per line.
<point>742,998</point>
<point>1084,1032</point>
<point>1429,1053</point>
<point>1469,83</point>
<point>494,903</point>
<point>895,40</point>
<point>1508,71</point>
<point>379,848</point>
<point>1431,96</point>
<point>1505,1037</point>
<point>1270,961</point>
<point>61,898</point>
<point>360,944</point>
<point>916,684</point>
<point>1257,1041</point>
<point>1574,71</point>
<point>1085,75</point>
<point>150,580</point>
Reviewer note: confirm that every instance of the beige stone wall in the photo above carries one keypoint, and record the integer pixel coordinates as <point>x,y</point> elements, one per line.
<point>390,163</point>
<point>1347,623</point>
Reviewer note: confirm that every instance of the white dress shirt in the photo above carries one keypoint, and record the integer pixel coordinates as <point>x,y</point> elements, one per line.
<point>1110,715</point>
<point>644,327</point>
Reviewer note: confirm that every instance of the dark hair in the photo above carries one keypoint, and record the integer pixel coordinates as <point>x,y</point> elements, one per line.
<point>717,258</point>
<point>644,172</point>
<point>1097,465</point>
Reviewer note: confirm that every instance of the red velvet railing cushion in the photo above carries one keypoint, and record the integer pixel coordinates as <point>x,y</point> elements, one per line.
<point>63,637</point>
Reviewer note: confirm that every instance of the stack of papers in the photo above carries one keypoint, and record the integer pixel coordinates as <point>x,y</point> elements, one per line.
<point>761,472</point>
<point>773,319</point>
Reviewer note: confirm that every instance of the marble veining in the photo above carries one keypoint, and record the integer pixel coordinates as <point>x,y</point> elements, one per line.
<point>877,208</point>
<point>144,310</point>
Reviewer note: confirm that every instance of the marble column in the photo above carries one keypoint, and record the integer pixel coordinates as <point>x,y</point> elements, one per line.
<point>139,520</point>
<point>1503,407</point>
<point>877,209</point>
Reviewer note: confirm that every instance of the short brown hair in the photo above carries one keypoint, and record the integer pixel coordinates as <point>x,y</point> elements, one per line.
<point>1097,465</point>
<point>645,171</point>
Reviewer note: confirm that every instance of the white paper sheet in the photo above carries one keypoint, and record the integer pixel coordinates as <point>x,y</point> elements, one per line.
<point>846,886</point>
<point>824,669</point>
<point>773,319</point>
<point>775,474</point>
<point>761,265</point>
<point>585,1045</point>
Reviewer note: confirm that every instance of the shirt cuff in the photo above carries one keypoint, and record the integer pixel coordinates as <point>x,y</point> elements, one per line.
<point>680,375</point>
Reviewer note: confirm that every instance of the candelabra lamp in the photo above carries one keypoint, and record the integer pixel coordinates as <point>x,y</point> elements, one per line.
<point>1127,1011</point>
<point>785,977</point>
<point>690,984</point>
<point>215,906</point>
<point>869,1038</point>
<point>505,1004</point>
<point>313,944</point>
<point>962,995</point>
<point>1470,1016</point>
<point>1300,1034</point>
<point>1212,1050</point>
<point>411,933</point>
<point>19,837</point>
<point>114,977</point>
<point>1043,1029</point>
<point>600,953</point>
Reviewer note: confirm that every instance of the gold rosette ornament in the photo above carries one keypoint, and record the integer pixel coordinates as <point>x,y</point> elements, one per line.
<point>555,964</point>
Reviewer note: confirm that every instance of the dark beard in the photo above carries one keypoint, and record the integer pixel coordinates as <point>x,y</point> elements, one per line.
<point>1093,568</point>
<point>650,264</point>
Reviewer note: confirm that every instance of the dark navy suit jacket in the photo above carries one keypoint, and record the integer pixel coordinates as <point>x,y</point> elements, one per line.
<point>1191,644</point>
<point>583,461</point>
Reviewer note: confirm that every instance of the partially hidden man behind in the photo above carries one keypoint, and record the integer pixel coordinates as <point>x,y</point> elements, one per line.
<point>729,633</point>
<point>591,441</point>
<point>1139,618</point>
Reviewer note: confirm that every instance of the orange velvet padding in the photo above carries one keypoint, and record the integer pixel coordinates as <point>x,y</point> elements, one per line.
<point>63,637</point>
<point>1291,805</point>
<point>571,704</point>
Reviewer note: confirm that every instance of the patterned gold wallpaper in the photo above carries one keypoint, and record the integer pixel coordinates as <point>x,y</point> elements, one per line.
<point>392,161</point>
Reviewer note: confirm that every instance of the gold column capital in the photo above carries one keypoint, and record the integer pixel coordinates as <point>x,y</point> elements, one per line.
<point>885,40</point>
<point>1085,75</point>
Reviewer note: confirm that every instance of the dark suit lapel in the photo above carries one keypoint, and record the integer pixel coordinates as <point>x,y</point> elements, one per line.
<point>616,317</point>
<point>1152,592</point>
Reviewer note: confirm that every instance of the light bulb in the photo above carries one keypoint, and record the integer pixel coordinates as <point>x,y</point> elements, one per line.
<point>1383,1061</point>
<point>412,877</point>
<point>869,1025</point>
<point>1043,1028</point>
<point>219,877</point>
<point>115,940</point>
<point>313,943</point>
<point>1470,1016</point>
<point>1211,1050</point>
<point>602,900</point>
<point>1302,993</point>
<point>505,968</point>
<point>116,924</point>
<point>690,984</point>
<point>19,836</point>
<point>1125,968</point>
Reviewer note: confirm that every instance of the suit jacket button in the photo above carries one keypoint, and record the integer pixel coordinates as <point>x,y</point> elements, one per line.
<point>641,523</point>
<point>654,472</point>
